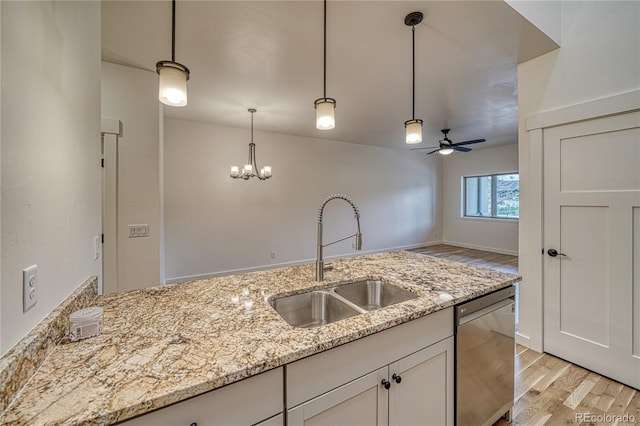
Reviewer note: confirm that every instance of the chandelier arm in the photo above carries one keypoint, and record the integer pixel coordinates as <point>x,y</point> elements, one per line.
<point>252,147</point>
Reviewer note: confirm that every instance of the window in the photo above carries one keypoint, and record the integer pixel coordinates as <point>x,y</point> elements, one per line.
<point>496,196</point>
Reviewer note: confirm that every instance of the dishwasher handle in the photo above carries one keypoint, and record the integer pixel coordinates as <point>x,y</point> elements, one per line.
<point>463,319</point>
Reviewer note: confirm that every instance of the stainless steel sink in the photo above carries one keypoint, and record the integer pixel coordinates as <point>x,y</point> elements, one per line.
<point>319,307</point>
<point>373,294</point>
<point>312,309</point>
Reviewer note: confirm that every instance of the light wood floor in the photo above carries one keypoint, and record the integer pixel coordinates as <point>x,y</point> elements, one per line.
<point>549,390</point>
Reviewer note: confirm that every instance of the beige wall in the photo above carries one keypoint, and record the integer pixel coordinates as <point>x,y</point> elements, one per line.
<point>214,224</point>
<point>599,57</point>
<point>50,154</point>
<point>497,235</point>
<point>130,95</point>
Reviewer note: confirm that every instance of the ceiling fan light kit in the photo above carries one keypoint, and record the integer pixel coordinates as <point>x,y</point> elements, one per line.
<point>250,169</point>
<point>413,127</point>
<point>325,107</point>
<point>173,76</point>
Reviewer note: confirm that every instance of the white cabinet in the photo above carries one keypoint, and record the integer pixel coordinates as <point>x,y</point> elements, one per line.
<point>361,402</point>
<point>420,392</point>
<point>424,394</point>
<point>415,360</point>
<point>247,402</point>
<point>273,421</point>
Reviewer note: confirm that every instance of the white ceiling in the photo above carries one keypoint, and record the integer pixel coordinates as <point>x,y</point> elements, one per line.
<point>268,55</point>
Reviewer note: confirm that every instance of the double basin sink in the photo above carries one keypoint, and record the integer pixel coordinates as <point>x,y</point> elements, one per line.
<point>320,307</point>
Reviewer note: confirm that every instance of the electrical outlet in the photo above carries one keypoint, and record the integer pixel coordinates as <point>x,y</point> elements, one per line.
<point>97,245</point>
<point>273,254</point>
<point>29,287</point>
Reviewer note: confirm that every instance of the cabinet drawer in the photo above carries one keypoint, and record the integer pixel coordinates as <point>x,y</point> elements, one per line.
<point>317,374</point>
<point>246,402</point>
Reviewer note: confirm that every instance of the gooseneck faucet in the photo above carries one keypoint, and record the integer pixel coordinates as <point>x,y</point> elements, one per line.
<point>358,235</point>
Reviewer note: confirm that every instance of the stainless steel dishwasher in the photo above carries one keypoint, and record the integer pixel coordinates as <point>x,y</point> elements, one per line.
<point>485,345</point>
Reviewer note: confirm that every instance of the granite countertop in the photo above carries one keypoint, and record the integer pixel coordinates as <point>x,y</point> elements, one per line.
<point>161,345</point>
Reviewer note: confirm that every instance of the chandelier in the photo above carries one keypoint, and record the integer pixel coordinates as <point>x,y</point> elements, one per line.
<point>250,169</point>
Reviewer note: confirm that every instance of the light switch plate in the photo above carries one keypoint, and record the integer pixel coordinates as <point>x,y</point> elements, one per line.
<point>29,287</point>
<point>136,231</point>
<point>97,245</point>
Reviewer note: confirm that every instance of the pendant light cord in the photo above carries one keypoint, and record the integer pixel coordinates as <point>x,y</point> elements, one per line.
<point>324,82</point>
<point>173,31</point>
<point>413,71</point>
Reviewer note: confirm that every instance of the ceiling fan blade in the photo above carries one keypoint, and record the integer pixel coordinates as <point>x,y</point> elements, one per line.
<point>469,142</point>
<point>435,150</point>
<point>426,147</point>
<point>461,148</point>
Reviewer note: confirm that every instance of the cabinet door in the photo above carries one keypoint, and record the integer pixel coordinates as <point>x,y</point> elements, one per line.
<point>425,394</point>
<point>360,402</point>
<point>246,402</point>
<point>273,421</point>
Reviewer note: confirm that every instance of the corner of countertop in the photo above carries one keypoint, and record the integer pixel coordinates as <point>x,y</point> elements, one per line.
<point>22,361</point>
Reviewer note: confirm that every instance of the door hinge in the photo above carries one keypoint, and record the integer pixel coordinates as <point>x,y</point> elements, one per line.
<point>102,162</point>
<point>102,238</point>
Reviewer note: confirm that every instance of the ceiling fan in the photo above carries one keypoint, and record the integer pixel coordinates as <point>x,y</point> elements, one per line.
<point>447,146</point>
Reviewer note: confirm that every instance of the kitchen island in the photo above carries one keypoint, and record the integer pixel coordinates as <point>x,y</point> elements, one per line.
<point>165,344</point>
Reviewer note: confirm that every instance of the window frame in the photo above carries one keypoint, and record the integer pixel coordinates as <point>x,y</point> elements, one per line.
<point>494,201</point>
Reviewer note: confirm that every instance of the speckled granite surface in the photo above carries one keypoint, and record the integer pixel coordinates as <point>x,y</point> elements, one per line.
<point>163,344</point>
<point>19,364</point>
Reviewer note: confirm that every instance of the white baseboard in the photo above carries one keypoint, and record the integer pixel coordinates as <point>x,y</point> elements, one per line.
<point>483,248</point>
<point>292,263</point>
<point>523,340</point>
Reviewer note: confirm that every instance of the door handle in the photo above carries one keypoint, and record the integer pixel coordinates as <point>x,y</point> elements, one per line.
<point>554,253</point>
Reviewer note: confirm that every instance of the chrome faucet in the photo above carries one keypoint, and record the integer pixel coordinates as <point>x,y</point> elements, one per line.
<point>358,235</point>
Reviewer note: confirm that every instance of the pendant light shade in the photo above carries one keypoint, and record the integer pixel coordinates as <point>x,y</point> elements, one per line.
<point>325,113</point>
<point>413,131</point>
<point>413,127</point>
<point>325,107</point>
<point>173,76</point>
<point>172,83</point>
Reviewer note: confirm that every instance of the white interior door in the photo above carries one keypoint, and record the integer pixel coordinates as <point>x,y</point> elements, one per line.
<point>111,131</point>
<point>592,220</point>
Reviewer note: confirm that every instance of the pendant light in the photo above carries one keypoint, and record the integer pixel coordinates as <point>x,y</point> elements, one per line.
<point>413,127</point>
<point>173,76</point>
<point>250,169</point>
<point>325,107</point>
